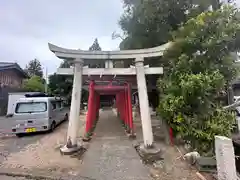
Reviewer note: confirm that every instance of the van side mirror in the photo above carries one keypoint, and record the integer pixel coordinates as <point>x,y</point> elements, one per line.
<point>9,115</point>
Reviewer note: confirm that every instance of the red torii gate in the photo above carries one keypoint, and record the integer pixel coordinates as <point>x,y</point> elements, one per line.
<point>123,105</point>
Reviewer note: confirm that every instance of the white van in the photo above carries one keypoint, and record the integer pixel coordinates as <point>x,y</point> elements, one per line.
<point>34,114</point>
<point>13,97</point>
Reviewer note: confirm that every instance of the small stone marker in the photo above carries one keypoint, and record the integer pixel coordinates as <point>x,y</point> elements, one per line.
<point>225,157</point>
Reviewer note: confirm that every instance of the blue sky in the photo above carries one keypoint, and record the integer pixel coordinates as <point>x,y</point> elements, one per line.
<point>27,26</point>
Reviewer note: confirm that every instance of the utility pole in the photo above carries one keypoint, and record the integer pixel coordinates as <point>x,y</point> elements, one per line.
<point>46,84</point>
<point>215,4</point>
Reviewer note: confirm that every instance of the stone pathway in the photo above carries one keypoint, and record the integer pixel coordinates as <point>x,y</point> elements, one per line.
<point>111,154</point>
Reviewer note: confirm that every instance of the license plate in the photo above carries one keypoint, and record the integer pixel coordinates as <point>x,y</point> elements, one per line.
<point>30,130</point>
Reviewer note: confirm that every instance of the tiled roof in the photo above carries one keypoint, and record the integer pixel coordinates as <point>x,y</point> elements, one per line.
<point>5,64</point>
<point>9,65</point>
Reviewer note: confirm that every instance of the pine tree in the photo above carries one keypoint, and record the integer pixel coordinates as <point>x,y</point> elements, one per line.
<point>95,46</point>
<point>34,68</point>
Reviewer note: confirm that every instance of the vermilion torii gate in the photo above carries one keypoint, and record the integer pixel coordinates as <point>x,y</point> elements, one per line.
<point>123,103</point>
<point>134,75</point>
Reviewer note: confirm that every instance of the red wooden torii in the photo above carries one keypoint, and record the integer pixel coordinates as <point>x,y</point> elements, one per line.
<point>123,104</point>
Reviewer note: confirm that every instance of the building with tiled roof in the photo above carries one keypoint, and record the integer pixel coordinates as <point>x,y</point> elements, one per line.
<point>11,74</point>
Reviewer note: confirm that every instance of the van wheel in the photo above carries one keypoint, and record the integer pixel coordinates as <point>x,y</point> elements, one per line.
<point>53,126</point>
<point>66,117</point>
<point>19,135</point>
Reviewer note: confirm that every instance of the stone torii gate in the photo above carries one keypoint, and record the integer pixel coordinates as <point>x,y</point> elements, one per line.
<point>77,58</point>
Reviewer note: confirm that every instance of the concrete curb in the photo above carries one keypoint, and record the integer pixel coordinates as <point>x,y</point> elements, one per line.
<point>40,175</point>
<point>28,174</point>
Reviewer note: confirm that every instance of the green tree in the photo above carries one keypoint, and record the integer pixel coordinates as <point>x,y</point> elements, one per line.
<point>60,85</point>
<point>95,46</point>
<point>34,68</point>
<point>149,23</point>
<point>200,68</point>
<point>34,84</point>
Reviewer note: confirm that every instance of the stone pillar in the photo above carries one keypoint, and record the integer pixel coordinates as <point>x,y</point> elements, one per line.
<point>74,118</point>
<point>225,157</point>
<point>144,104</point>
<point>108,64</point>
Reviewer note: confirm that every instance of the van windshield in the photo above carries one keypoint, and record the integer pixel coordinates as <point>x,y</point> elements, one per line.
<point>31,107</point>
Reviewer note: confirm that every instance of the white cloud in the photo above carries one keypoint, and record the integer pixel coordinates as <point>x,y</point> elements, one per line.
<point>27,26</point>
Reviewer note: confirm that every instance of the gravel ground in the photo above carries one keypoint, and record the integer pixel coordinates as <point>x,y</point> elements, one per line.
<point>43,154</point>
<point>13,144</point>
<point>173,167</point>
<point>9,143</point>
<point>12,147</point>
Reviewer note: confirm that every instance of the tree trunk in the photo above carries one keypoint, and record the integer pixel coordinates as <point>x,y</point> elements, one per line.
<point>216,4</point>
